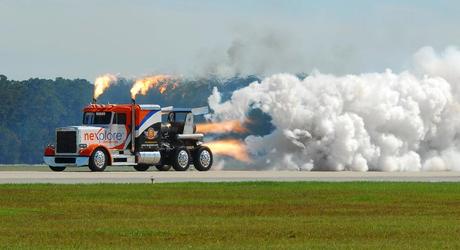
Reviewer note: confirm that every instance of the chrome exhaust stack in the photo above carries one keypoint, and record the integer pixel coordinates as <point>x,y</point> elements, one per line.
<point>133,124</point>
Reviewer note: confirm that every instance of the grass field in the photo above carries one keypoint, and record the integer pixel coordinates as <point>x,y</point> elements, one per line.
<point>231,215</point>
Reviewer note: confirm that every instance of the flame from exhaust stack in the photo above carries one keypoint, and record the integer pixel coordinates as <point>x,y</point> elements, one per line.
<point>102,83</point>
<point>163,87</point>
<point>231,148</point>
<point>234,126</point>
<point>167,84</point>
<point>143,85</point>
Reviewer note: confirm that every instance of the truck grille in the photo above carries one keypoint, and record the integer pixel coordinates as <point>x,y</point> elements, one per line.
<point>66,142</point>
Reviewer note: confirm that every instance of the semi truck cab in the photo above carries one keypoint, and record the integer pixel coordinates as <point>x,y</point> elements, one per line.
<point>131,135</point>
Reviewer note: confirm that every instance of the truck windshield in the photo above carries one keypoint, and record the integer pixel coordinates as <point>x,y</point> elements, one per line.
<point>97,118</point>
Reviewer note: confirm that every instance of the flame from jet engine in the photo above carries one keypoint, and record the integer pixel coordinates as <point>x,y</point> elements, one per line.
<point>102,83</point>
<point>231,148</point>
<point>234,126</point>
<point>143,85</point>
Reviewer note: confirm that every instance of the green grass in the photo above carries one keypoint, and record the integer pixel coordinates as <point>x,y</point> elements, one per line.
<point>231,215</point>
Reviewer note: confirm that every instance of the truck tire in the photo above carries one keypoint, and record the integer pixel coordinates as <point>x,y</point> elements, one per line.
<point>57,169</point>
<point>98,160</point>
<point>181,159</point>
<point>202,158</point>
<point>141,167</point>
<point>163,167</point>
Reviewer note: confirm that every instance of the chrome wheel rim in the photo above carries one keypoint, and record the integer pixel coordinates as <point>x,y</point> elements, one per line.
<point>99,159</point>
<point>182,158</point>
<point>205,158</point>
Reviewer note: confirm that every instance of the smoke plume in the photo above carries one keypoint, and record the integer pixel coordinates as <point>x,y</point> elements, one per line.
<point>385,121</point>
<point>253,52</point>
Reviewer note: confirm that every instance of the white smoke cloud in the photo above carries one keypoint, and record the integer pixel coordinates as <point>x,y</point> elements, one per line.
<point>374,121</point>
<point>445,64</point>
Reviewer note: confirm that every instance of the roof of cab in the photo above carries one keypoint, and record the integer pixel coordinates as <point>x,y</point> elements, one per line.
<point>118,107</point>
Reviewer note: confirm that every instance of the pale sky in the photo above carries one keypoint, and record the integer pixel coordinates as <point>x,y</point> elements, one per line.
<point>86,38</point>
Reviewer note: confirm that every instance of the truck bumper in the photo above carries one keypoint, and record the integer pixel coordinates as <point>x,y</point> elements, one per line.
<point>66,161</point>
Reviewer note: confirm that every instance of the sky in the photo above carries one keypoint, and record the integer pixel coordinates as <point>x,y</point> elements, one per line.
<point>87,38</point>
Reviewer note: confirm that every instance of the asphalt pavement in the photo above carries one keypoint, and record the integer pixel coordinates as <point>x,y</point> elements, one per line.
<point>69,177</point>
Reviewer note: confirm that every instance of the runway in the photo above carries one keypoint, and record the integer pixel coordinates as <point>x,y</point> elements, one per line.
<point>221,176</point>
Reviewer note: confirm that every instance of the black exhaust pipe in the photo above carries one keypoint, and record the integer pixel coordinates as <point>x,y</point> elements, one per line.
<point>94,100</point>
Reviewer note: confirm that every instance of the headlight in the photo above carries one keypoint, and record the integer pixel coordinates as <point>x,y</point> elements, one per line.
<point>50,145</point>
<point>82,145</point>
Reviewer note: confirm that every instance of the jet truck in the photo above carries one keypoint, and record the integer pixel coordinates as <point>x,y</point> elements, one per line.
<point>138,135</point>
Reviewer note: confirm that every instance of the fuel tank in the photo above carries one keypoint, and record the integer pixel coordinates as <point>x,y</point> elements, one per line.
<point>148,157</point>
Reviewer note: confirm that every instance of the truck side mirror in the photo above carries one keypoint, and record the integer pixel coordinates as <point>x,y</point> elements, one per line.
<point>171,117</point>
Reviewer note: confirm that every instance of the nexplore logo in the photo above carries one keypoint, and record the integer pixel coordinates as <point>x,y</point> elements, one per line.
<point>103,135</point>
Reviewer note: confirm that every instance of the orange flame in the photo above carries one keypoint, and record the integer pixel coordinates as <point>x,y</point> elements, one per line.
<point>162,88</point>
<point>229,147</point>
<point>143,85</point>
<point>102,83</point>
<point>165,85</point>
<point>221,127</point>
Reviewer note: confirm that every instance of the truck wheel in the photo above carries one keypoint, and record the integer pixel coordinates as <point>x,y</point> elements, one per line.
<point>181,159</point>
<point>202,158</point>
<point>141,167</point>
<point>163,167</point>
<point>98,160</point>
<point>57,169</point>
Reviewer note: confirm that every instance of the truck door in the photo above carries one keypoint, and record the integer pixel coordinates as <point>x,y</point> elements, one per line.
<point>119,130</point>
